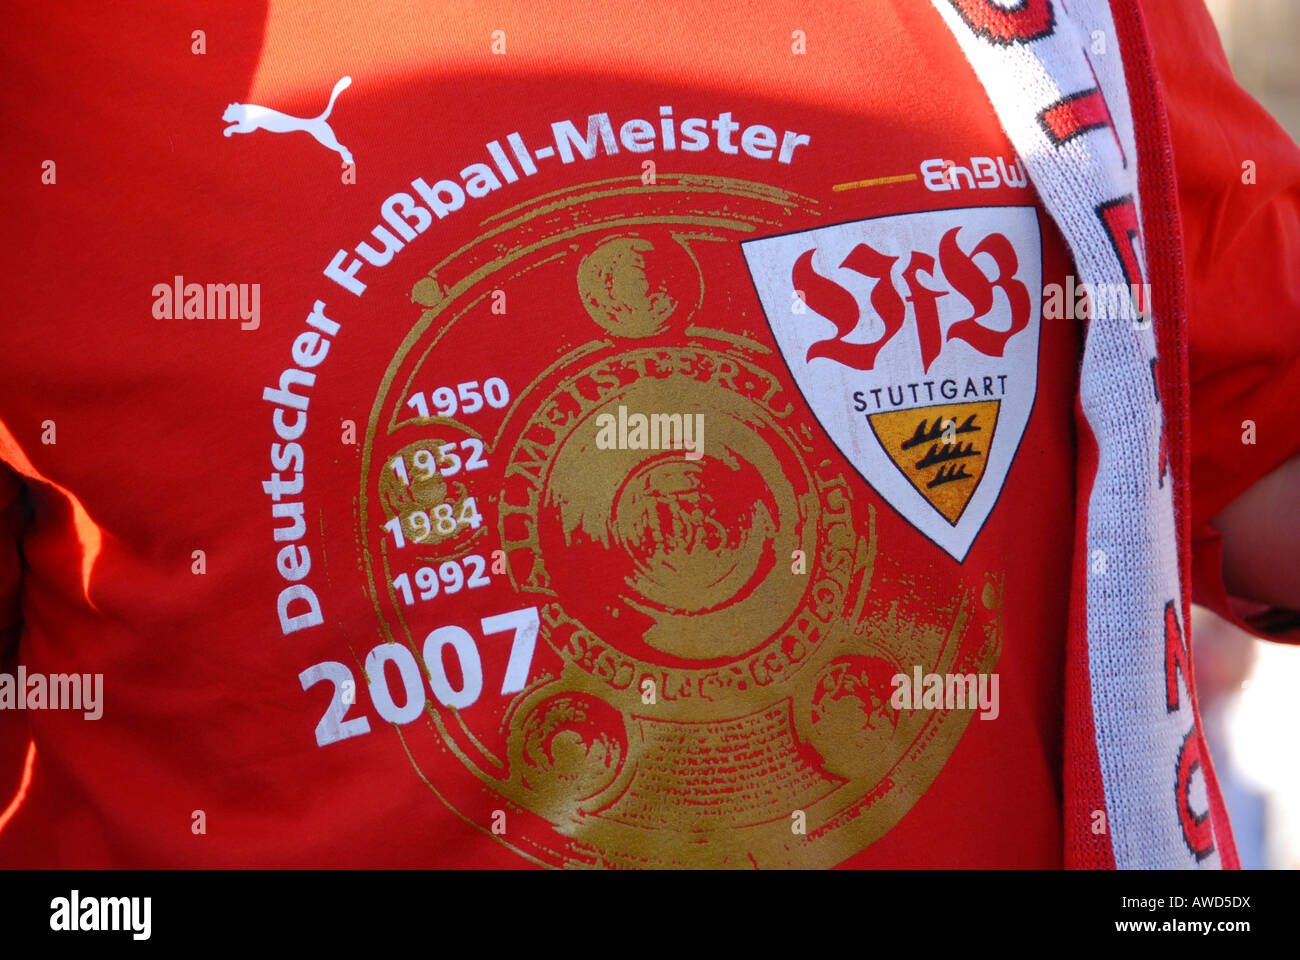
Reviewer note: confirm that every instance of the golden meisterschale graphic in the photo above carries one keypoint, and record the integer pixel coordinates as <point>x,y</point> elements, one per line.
<point>650,568</point>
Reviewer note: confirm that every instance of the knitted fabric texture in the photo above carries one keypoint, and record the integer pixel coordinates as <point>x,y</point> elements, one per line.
<point>1139,788</point>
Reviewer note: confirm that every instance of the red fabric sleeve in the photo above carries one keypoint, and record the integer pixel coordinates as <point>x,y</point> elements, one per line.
<point>11,524</point>
<point>1241,243</point>
<point>13,724</point>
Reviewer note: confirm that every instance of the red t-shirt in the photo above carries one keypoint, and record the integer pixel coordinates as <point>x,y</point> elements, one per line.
<point>593,466</point>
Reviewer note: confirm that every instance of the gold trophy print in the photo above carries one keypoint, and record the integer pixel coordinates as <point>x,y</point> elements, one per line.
<point>649,654</point>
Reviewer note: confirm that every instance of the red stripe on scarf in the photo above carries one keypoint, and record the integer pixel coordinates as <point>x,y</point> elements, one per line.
<point>1085,793</point>
<point>1163,235</point>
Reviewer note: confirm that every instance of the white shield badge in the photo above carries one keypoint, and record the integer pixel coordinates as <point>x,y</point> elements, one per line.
<point>914,339</point>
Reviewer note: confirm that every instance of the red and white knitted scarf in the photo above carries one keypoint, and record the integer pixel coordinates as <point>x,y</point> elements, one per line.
<point>1140,790</point>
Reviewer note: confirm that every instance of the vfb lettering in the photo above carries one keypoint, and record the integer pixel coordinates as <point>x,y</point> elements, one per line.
<point>922,286</point>
<point>907,307</point>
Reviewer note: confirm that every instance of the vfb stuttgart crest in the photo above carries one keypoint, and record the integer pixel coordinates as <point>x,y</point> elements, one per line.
<point>914,339</point>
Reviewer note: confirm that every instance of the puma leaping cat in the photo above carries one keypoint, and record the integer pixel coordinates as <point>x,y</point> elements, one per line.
<point>247,117</point>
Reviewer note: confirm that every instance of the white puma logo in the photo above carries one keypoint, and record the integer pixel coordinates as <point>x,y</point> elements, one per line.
<point>245,118</point>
